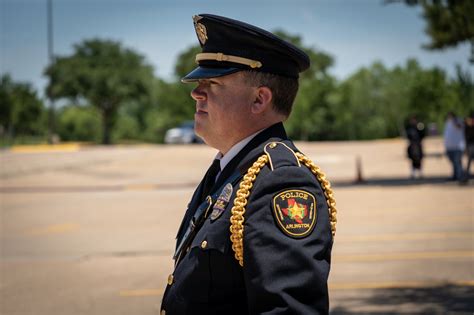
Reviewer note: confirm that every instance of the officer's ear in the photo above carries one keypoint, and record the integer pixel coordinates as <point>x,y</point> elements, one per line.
<point>262,101</point>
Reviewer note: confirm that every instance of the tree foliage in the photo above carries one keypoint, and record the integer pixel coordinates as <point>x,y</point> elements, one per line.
<point>186,61</point>
<point>464,88</point>
<point>112,87</point>
<point>449,22</point>
<point>78,123</point>
<point>104,74</point>
<point>174,103</point>
<point>311,117</point>
<point>21,111</point>
<point>372,103</point>
<point>378,100</point>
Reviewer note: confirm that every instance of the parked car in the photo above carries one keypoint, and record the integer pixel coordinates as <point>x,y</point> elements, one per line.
<point>182,134</point>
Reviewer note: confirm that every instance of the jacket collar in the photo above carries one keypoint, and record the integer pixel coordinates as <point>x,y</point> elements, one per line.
<point>252,151</point>
<point>241,162</point>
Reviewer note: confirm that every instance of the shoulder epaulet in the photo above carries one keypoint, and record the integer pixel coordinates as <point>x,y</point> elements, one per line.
<point>277,154</point>
<point>280,154</point>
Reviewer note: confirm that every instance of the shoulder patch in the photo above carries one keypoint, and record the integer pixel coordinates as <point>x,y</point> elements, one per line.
<point>295,212</point>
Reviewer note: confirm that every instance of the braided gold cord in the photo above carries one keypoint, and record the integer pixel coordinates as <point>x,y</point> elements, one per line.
<point>238,210</point>
<point>240,201</point>
<point>326,188</point>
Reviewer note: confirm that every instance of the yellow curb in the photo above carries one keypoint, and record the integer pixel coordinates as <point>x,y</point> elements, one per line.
<point>403,237</point>
<point>41,148</point>
<point>402,256</point>
<point>338,286</point>
<point>397,284</point>
<point>54,229</point>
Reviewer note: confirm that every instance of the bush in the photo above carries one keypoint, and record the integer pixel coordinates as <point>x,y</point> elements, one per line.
<point>75,123</point>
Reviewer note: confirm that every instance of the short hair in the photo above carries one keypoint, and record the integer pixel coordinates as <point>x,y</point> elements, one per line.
<point>283,89</point>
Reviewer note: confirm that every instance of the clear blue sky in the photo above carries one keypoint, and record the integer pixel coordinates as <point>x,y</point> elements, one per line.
<point>355,32</point>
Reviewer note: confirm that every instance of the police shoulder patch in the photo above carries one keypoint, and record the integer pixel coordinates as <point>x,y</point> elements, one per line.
<point>295,212</point>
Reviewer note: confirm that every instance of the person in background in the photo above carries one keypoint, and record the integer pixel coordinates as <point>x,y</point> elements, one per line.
<point>454,144</point>
<point>469,137</point>
<point>415,132</point>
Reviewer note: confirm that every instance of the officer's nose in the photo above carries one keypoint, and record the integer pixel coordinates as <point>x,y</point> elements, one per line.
<point>198,93</point>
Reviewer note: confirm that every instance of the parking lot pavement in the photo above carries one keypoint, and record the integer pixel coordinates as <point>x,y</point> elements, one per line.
<point>92,231</point>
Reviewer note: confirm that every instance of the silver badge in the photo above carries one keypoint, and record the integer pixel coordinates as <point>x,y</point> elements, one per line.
<point>222,202</point>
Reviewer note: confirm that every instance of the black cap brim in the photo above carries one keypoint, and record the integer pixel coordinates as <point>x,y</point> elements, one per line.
<point>207,73</point>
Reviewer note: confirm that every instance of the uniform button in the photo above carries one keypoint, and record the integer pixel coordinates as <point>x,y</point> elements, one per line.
<point>204,244</point>
<point>272,145</point>
<point>170,279</point>
<point>163,312</point>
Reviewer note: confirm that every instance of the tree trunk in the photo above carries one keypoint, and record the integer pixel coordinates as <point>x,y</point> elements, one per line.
<point>10,134</point>
<point>107,124</point>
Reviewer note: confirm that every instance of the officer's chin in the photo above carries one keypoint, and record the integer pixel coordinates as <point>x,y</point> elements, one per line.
<point>205,136</point>
<point>199,130</point>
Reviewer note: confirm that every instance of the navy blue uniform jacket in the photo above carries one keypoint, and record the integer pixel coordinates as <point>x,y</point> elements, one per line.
<point>281,274</point>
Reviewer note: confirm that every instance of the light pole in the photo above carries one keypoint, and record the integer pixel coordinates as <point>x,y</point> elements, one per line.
<point>51,114</point>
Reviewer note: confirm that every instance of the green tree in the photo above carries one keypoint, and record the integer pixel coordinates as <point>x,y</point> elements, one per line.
<point>133,118</point>
<point>375,102</point>
<point>372,103</point>
<point>449,22</point>
<point>427,94</point>
<point>186,61</point>
<point>21,111</point>
<point>174,103</point>
<point>464,85</point>
<point>104,74</point>
<point>312,117</point>
<point>78,123</point>
<point>364,100</point>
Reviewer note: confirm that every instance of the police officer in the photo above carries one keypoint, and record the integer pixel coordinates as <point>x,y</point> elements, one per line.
<point>257,235</point>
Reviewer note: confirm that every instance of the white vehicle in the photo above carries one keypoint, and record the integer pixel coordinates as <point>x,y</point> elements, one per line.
<point>182,134</point>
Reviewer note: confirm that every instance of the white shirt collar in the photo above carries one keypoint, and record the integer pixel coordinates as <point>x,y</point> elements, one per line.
<point>224,160</point>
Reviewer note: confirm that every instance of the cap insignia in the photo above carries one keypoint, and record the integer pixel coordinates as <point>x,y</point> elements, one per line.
<point>196,18</point>
<point>201,32</point>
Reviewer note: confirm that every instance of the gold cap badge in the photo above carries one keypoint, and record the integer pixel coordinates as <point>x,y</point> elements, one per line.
<point>201,30</point>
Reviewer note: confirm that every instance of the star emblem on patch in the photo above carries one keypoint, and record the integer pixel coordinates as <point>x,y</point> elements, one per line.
<point>295,212</point>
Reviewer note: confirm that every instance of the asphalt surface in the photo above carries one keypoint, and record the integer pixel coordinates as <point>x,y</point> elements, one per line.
<point>90,230</point>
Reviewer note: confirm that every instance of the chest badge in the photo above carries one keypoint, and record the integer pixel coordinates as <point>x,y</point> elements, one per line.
<point>222,202</point>
<point>295,212</point>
